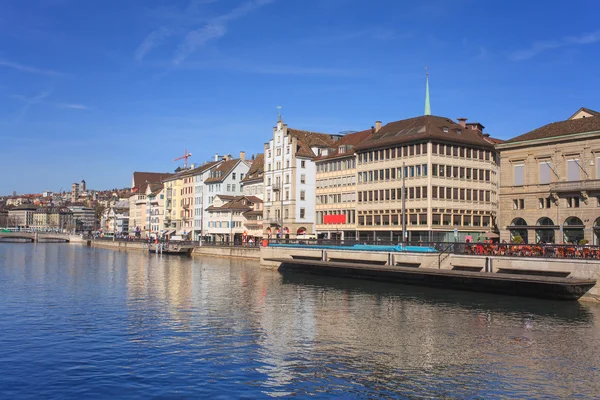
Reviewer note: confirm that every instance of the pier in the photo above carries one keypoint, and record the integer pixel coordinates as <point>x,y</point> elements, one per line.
<point>451,264</point>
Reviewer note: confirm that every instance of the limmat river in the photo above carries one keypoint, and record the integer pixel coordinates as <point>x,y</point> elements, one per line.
<point>83,323</point>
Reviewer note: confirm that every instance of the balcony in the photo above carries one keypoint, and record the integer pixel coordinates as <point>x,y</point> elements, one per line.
<point>575,186</point>
<point>276,187</point>
<point>274,221</point>
<point>186,206</point>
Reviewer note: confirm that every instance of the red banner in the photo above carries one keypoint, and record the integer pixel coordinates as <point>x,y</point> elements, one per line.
<point>334,219</point>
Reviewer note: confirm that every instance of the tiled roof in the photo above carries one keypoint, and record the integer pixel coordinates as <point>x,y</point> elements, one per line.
<point>587,110</point>
<point>236,204</point>
<point>561,128</point>
<point>350,140</point>
<point>222,170</point>
<point>307,140</point>
<point>141,179</point>
<point>200,169</point>
<point>423,128</point>
<point>254,199</point>
<point>256,170</point>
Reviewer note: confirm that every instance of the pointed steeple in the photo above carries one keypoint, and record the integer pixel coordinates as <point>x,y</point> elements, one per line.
<point>427,104</point>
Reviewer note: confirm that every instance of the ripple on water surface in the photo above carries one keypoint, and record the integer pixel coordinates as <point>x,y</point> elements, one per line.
<point>77,322</point>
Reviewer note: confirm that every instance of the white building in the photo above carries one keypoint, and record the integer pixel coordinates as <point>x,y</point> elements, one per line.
<point>290,179</point>
<point>226,218</point>
<point>224,179</point>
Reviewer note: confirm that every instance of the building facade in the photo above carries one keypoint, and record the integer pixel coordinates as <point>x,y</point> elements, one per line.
<point>223,179</point>
<point>290,179</point>
<point>450,174</point>
<point>336,178</point>
<point>253,183</point>
<point>550,182</point>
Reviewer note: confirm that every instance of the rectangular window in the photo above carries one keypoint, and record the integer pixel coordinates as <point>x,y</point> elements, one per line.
<point>302,195</point>
<point>519,175</point>
<point>303,164</point>
<point>573,170</point>
<point>302,178</point>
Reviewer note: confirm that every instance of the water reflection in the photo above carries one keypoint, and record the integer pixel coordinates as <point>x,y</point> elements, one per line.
<point>77,321</point>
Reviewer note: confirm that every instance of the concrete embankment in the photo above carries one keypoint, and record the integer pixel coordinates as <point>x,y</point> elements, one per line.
<point>118,245</point>
<point>549,267</point>
<point>248,253</point>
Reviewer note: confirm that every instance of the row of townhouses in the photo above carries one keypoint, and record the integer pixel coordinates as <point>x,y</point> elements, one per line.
<point>429,178</point>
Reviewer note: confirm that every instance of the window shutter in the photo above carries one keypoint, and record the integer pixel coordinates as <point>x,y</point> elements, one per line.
<point>545,172</point>
<point>519,175</point>
<point>573,170</point>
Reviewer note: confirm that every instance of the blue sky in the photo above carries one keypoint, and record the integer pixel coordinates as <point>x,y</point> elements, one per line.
<point>96,89</point>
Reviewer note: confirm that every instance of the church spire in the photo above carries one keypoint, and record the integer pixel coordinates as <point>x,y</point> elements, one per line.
<point>427,104</point>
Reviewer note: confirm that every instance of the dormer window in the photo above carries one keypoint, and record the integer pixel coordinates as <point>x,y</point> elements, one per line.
<point>445,129</point>
<point>458,131</point>
<point>342,149</point>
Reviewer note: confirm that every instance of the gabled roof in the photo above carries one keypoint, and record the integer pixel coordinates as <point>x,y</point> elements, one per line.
<point>222,170</point>
<point>198,170</point>
<point>141,180</point>
<point>587,111</point>
<point>350,141</point>
<point>307,140</point>
<point>235,204</point>
<point>561,128</point>
<point>256,170</point>
<point>424,128</point>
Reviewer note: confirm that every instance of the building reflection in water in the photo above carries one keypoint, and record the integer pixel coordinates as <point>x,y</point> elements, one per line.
<point>296,328</point>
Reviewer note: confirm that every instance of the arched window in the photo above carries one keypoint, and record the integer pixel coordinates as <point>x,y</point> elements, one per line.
<point>573,221</point>
<point>545,231</point>
<point>301,231</point>
<point>518,222</point>
<point>573,230</point>
<point>544,221</point>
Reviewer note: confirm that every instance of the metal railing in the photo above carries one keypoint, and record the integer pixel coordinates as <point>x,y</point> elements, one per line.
<point>568,251</point>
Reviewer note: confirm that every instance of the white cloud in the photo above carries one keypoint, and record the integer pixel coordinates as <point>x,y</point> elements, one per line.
<point>151,41</point>
<point>29,69</point>
<point>539,47</point>
<point>214,29</point>
<point>73,106</point>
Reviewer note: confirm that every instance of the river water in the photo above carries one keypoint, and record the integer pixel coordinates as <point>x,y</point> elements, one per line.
<point>89,323</point>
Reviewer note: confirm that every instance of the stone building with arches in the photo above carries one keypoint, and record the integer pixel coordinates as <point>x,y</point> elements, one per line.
<point>550,182</point>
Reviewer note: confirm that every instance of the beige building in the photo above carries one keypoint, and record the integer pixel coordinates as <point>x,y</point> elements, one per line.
<point>336,188</point>
<point>290,179</point>
<point>450,171</point>
<point>52,219</point>
<point>550,182</point>
<point>226,217</point>
<point>253,183</point>
<point>138,215</point>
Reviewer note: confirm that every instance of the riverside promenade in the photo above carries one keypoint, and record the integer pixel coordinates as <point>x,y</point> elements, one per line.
<point>543,261</point>
<point>205,250</point>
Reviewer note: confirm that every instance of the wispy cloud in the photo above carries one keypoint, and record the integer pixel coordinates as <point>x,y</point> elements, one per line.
<point>29,69</point>
<point>29,101</point>
<point>72,106</point>
<point>250,67</point>
<point>151,41</point>
<point>539,47</point>
<point>369,33</point>
<point>214,29</point>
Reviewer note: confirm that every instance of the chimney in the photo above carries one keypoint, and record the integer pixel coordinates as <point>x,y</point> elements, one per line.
<point>242,155</point>
<point>462,122</point>
<point>477,127</point>
<point>192,166</point>
<point>216,157</point>
<point>377,126</point>
<point>372,130</point>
